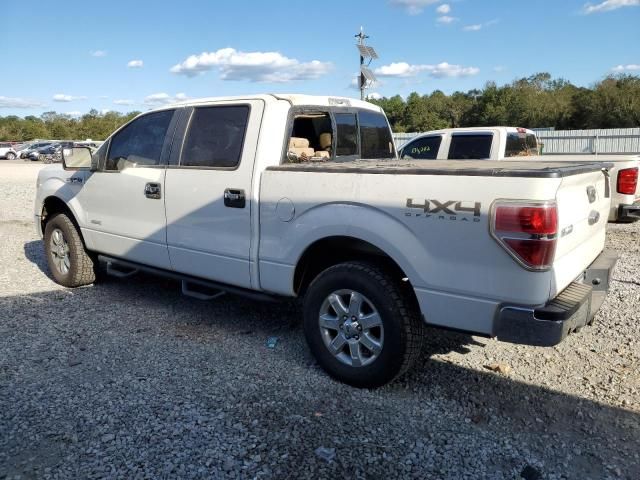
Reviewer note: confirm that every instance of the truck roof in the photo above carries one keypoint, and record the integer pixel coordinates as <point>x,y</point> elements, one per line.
<point>477,129</point>
<point>293,98</point>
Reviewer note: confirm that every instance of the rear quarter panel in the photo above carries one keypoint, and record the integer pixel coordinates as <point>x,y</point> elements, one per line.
<point>444,256</point>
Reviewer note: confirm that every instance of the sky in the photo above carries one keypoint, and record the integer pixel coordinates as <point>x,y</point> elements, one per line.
<point>71,56</point>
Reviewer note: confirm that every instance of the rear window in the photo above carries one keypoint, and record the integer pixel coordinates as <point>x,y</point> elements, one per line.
<point>520,144</point>
<point>347,134</point>
<point>470,147</point>
<point>425,148</point>
<point>375,136</point>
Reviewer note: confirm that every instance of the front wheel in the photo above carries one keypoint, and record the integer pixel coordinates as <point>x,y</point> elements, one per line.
<point>11,156</point>
<point>361,324</point>
<point>69,262</point>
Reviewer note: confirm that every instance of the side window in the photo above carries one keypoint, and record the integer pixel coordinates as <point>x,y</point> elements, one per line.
<point>470,147</point>
<point>140,143</point>
<point>375,136</point>
<point>425,148</point>
<point>215,137</point>
<point>347,134</point>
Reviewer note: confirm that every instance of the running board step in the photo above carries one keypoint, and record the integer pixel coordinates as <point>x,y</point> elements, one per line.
<point>200,292</point>
<point>120,271</point>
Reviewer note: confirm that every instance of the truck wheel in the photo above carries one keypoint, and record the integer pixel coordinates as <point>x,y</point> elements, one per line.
<point>361,324</point>
<point>68,260</point>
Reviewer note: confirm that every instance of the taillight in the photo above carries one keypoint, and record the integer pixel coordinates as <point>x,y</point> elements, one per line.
<point>528,231</point>
<point>628,181</point>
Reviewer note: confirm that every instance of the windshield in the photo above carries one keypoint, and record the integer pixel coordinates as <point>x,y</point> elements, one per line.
<point>521,144</point>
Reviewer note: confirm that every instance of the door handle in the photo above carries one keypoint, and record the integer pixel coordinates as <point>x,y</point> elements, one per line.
<point>234,198</point>
<point>152,190</point>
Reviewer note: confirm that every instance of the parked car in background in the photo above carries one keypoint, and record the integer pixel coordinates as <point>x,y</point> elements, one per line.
<point>520,144</point>
<point>7,151</point>
<point>474,143</point>
<point>48,154</point>
<point>24,153</point>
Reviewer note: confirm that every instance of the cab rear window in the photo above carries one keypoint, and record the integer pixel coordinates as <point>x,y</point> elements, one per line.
<point>375,135</point>
<point>520,144</point>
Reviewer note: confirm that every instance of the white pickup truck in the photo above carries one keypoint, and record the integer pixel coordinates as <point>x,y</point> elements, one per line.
<point>500,143</point>
<point>268,196</point>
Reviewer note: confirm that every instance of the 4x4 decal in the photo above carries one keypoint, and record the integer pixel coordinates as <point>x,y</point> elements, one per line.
<point>445,210</point>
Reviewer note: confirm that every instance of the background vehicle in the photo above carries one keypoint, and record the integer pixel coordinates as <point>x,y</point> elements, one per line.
<point>520,144</point>
<point>205,192</point>
<point>7,151</point>
<point>479,143</point>
<point>47,154</point>
<point>24,153</point>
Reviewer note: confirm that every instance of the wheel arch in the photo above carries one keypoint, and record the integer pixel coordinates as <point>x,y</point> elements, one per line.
<point>332,250</point>
<point>53,205</point>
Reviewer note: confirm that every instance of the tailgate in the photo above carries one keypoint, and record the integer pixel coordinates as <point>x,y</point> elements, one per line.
<point>583,210</point>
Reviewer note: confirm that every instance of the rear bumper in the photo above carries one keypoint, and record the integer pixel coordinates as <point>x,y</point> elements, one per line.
<point>549,324</point>
<point>629,212</point>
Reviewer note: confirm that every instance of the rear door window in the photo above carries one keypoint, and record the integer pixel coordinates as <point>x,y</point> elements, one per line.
<point>425,148</point>
<point>470,146</point>
<point>375,136</point>
<point>215,137</point>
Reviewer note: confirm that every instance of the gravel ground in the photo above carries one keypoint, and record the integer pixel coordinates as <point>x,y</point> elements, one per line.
<point>129,379</point>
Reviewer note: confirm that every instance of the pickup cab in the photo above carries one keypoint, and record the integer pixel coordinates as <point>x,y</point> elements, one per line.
<point>274,196</point>
<point>511,143</point>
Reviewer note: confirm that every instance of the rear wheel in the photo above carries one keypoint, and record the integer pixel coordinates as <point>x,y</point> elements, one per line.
<point>11,156</point>
<point>69,262</point>
<point>361,324</point>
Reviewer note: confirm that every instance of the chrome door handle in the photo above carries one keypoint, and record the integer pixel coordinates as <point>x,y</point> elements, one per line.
<point>152,190</point>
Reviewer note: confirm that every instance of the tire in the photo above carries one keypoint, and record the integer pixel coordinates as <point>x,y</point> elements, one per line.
<point>11,156</point>
<point>363,290</point>
<point>69,262</point>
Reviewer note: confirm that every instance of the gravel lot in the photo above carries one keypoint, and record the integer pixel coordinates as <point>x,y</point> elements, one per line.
<point>129,379</point>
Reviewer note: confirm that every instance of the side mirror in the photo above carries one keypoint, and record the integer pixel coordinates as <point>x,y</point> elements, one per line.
<point>76,158</point>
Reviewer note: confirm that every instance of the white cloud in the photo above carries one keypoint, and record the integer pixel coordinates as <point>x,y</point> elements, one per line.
<point>413,7</point>
<point>98,53</point>
<point>479,26</point>
<point>443,9</point>
<point>441,70</point>
<point>123,102</point>
<point>608,5</point>
<point>74,113</point>
<point>61,97</point>
<point>499,68</point>
<point>446,19</point>
<point>15,102</point>
<point>164,98</point>
<point>135,64</point>
<point>374,96</point>
<point>252,66</point>
<point>626,68</point>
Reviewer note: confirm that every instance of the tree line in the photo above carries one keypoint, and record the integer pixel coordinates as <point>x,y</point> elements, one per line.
<point>535,101</point>
<point>52,125</point>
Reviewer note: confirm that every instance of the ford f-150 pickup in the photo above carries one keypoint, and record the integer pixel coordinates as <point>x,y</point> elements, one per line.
<point>299,196</point>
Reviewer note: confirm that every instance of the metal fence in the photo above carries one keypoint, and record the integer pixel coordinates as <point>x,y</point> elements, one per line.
<point>558,142</point>
<point>612,140</point>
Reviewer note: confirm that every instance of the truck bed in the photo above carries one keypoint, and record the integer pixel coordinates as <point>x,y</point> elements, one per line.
<point>489,168</point>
